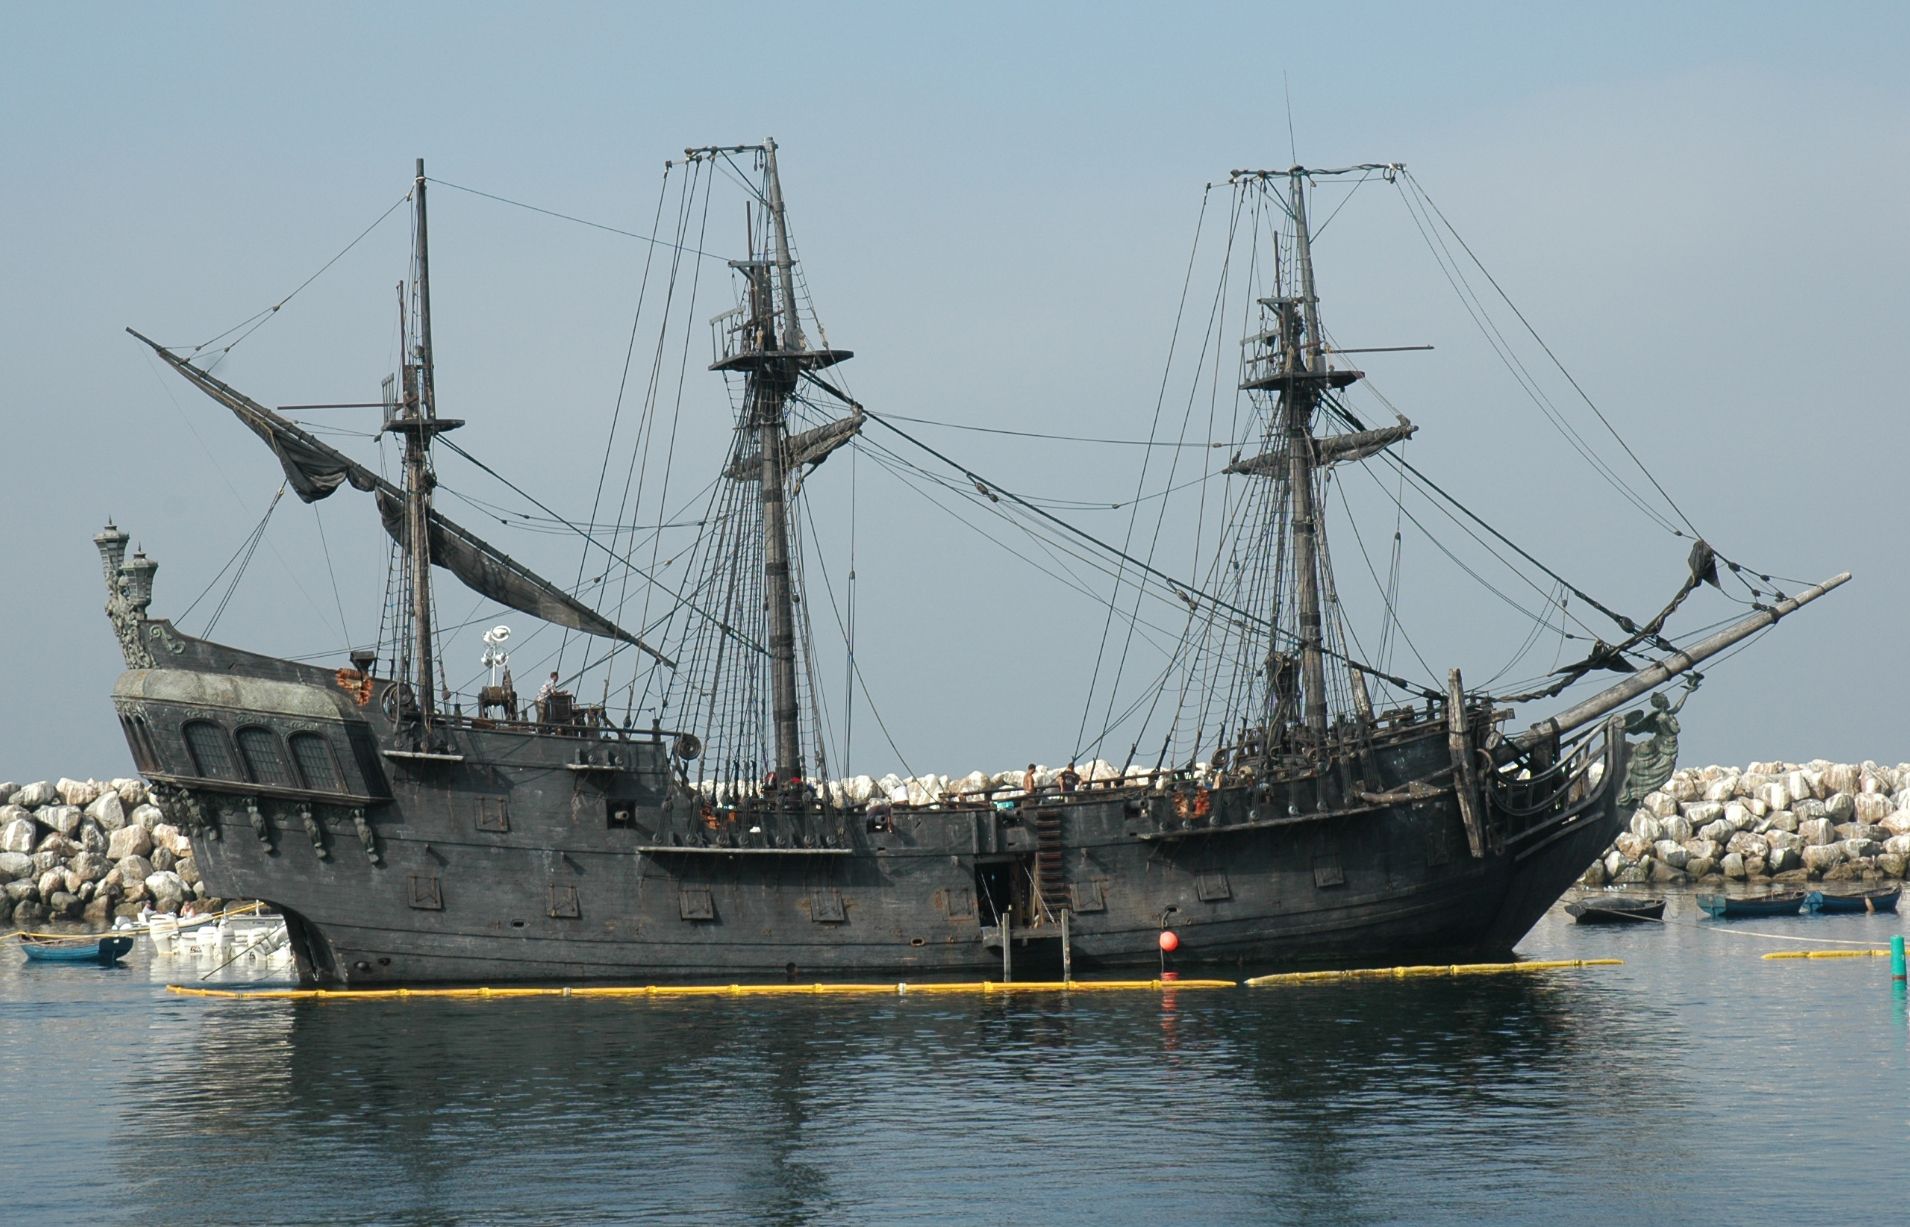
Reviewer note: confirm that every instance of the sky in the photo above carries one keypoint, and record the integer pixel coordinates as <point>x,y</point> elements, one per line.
<point>1698,206</point>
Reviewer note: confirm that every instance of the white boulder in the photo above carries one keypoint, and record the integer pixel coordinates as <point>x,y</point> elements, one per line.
<point>1821,857</point>
<point>128,841</point>
<point>168,890</point>
<point>1872,807</point>
<point>1842,777</point>
<point>20,835</point>
<point>1817,832</point>
<point>64,819</point>
<point>77,792</point>
<point>1703,849</point>
<point>109,811</point>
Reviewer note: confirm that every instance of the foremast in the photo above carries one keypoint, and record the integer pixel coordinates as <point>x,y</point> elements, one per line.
<point>1292,367</point>
<point>772,353</point>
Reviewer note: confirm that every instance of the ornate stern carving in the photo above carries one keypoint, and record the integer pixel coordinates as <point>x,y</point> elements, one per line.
<point>129,591</point>
<point>366,835</point>
<point>260,827</point>
<point>316,830</point>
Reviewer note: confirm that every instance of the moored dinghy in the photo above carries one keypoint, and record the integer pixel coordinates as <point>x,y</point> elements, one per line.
<point>1736,907</point>
<point>1883,900</point>
<point>104,950</point>
<point>1614,910</point>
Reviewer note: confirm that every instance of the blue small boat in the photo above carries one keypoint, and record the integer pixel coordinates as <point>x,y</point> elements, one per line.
<point>1882,900</point>
<point>1735,907</point>
<point>104,951</point>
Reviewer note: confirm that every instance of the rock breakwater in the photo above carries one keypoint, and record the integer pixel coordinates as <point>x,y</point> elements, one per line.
<point>1768,822</point>
<point>92,850</point>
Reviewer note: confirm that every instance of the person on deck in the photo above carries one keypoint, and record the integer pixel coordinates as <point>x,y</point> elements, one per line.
<point>1028,780</point>
<point>1070,778</point>
<point>548,689</point>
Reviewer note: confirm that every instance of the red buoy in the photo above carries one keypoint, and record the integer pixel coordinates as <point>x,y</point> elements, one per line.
<point>1170,942</point>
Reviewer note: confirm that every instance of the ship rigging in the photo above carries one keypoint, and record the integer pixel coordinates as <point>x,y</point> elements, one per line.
<point>1290,794</point>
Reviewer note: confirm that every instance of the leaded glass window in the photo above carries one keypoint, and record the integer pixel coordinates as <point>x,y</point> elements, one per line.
<point>211,758</point>
<point>264,760</point>
<point>315,763</point>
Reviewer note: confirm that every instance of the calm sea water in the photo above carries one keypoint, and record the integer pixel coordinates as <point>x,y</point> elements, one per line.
<point>1696,1079</point>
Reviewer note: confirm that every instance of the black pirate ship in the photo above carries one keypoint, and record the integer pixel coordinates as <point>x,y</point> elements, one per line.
<point>1304,805</point>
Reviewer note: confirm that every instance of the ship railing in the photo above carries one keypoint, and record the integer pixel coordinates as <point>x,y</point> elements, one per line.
<point>727,334</point>
<point>583,721</point>
<point>734,334</point>
<point>1529,789</point>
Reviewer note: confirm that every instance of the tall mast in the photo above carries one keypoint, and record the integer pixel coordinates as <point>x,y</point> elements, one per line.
<point>1294,370</point>
<point>773,353</point>
<point>1299,400</point>
<point>792,338</point>
<point>418,421</point>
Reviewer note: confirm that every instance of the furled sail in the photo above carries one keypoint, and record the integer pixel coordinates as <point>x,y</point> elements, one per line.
<point>487,571</point>
<point>1354,445</point>
<point>809,447</point>
<point>315,469</point>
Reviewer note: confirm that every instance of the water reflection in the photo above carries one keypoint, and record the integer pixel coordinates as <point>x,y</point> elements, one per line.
<point>1278,1103</point>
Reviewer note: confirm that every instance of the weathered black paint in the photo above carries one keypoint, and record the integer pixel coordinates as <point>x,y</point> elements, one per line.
<point>519,854</point>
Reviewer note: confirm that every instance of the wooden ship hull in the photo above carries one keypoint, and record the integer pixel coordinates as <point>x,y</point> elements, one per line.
<point>526,853</point>
<point>406,842</point>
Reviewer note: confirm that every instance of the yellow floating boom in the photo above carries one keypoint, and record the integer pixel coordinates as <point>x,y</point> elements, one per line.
<point>694,990</point>
<point>1431,969</point>
<point>1828,954</point>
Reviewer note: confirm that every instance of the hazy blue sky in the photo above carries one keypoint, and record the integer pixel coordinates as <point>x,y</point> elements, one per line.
<point>1700,205</point>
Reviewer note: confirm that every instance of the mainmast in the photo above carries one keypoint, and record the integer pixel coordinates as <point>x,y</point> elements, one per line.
<point>770,349</point>
<point>417,420</point>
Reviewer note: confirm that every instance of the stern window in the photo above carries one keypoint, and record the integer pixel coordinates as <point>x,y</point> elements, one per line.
<point>264,761</point>
<point>211,759</point>
<point>316,763</point>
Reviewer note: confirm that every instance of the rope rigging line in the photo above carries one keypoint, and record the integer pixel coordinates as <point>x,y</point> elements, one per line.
<point>1035,434</point>
<point>1433,487</point>
<point>1388,592</point>
<point>623,383</point>
<point>1175,585</point>
<point>1605,422</point>
<point>244,559</point>
<point>900,469</point>
<point>326,547</point>
<point>1455,278</point>
<point>258,321</point>
<point>1140,480</point>
<point>622,558</point>
<point>581,221</point>
<point>686,200</point>
<point>246,545</point>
